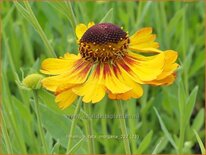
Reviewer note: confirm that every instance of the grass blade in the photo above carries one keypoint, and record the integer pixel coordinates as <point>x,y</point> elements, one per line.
<point>191,103</point>
<point>145,143</point>
<point>29,15</point>
<point>200,142</point>
<point>166,132</point>
<point>160,145</point>
<point>108,17</point>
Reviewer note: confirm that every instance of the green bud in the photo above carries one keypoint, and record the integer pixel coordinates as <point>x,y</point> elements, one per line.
<point>33,81</point>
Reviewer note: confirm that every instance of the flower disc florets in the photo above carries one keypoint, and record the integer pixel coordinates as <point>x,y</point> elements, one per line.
<point>104,42</point>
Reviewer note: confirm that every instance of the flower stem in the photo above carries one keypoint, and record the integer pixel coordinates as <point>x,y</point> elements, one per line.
<point>39,123</point>
<point>120,112</point>
<point>77,109</point>
<point>89,131</point>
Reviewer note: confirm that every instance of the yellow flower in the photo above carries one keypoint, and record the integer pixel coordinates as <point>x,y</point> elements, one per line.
<point>108,63</point>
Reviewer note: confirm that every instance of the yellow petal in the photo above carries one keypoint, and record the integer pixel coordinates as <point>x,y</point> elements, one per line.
<point>112,82</point>
<point>170,65</point>
<point>141,33</point>
<point>143,40</point>
<point>135,92</point>
<point>80,30</point>
<point>53,66</point>
<point>145,47</point>
<point>92,90</point>
<point>76,75</point>
<point>144,68</point>
<point>168,74</point>
<point>65,99</point>
<point>50,83</point>
<point>170,56</point>
<point>90,24</point>
<point>146,50</point>
<point>166,81</point>
<point>169,68</point>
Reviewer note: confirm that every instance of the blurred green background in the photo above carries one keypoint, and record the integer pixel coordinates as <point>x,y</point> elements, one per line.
<point>30,35</point>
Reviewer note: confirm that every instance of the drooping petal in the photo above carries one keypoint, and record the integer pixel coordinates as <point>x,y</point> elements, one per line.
<point>112,82</point>
<point>168,74</point>
<point>165,81</point>
<point>135,92</point>
<point>143,41</point>
<point>54,66</point>
<point>142,68</point>
<point>93,89</point>
<point>65,98</point>
<point>76,75</point>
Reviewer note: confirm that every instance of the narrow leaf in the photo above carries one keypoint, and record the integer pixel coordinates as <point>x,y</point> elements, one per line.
<point>108,17</point>
<point>145,143</point>
<point>166,132</point>
<point>191,100</point>
<point>200,142</point>
<point>199,120</point>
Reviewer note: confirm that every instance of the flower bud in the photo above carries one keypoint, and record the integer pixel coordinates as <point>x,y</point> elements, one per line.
<point>33,81</point>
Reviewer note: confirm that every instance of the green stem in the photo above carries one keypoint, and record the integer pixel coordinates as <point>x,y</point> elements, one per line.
<point>70,11</point>
<point>50,51</point>
<point>182,133</point>
<point>120,112</point>
<point>39,123</point>
<point>131,108</point>
<point>5,136</point>
<point>89,132</point>
<point>77,109</point>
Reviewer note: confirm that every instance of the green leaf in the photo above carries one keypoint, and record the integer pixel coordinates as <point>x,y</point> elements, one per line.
<point>198,63</point>
<point>58,127</point>
<point>145,143</point>
<point>199,120</point>
<point>108,17</point>
<point>190,103</point>
<point>30,17</point>
<point>181,97</point>
<point>142,12</point>
<point>200,142</point>
<point>49,100</point>
<point>166,132</point>
<point>66,9</point>
<point>161,144</point>
<point>56,148</point>
<point>22,10</point>
<point>76,146</point>
<point>174,22</point>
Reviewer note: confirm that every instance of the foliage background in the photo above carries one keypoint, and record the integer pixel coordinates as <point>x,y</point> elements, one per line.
<point>179,108</point>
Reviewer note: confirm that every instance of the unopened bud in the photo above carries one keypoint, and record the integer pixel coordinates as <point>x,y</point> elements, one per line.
<point>33,81</point>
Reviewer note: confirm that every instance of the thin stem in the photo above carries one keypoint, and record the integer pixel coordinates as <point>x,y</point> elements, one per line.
<point>77,109</point>
<point>50,51</point>
<point>89,131</point>
<point>120,112</point>
<point>71,15</point>
<point>182,133</point>
<point>5,135</point>
<point>39,123</point>
<point>132,122</point>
